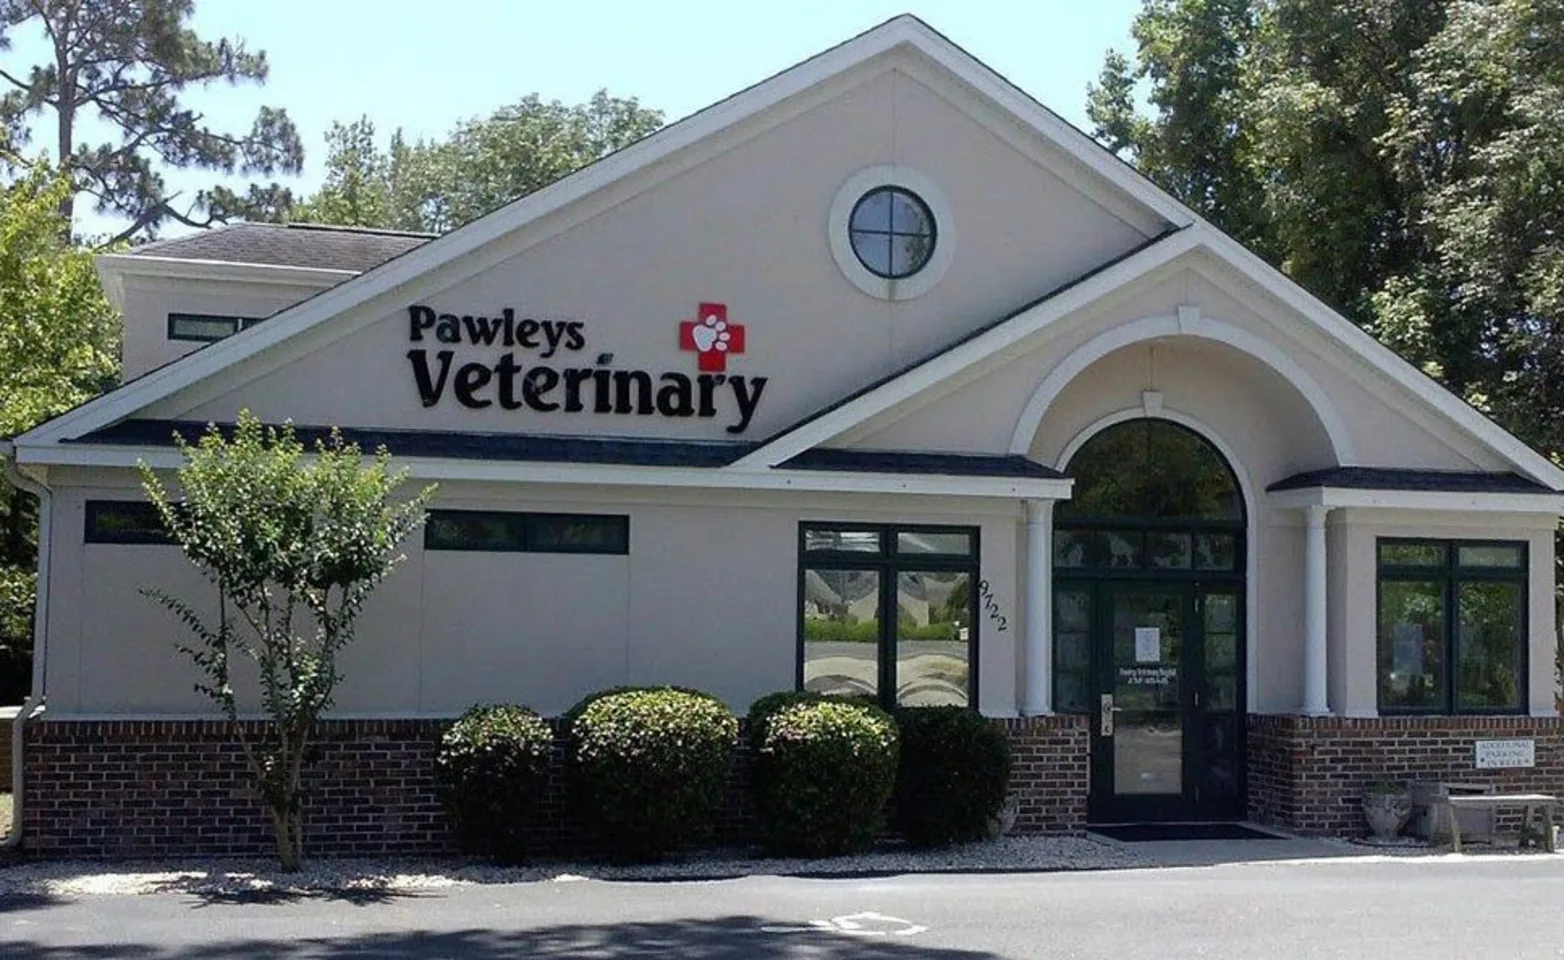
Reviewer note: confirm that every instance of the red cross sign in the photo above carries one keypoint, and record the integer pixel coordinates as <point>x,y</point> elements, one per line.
<point>711,337</point>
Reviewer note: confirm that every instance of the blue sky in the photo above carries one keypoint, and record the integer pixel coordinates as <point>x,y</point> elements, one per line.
<point>422,66</point>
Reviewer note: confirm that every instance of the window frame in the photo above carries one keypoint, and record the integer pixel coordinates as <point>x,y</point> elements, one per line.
<point>526,521</point>
<point>238,323</point>
<point>887,562</point>
<point>1450,575</point>
<point>94,510</point>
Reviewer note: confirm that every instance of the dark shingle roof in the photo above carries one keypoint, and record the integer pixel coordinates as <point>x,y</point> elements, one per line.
<point>465,446</point>
<point>605,450</point>
<point>289,245</point>
<point>1388,478</point>
<point>899,461</point>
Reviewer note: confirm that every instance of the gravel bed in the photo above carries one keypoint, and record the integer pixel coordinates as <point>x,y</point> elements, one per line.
<point>231,877</point>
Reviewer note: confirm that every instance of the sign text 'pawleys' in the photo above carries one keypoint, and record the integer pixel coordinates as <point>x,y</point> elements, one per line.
<point>504,379</point>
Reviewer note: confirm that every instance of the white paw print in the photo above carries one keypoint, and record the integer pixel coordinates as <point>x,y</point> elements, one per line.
<point>711,334</point>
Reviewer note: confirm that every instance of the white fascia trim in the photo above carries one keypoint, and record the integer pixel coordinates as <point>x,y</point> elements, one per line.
<point>511,471</point>
<point>121,265</point>
<point>966,357</point>
<point>904,31</point>
<point>1381,358</point>
<point>1550,504</point>
<point>1080,147</point>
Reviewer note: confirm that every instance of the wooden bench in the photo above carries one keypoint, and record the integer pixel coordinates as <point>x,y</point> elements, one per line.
<point>1534,804</point>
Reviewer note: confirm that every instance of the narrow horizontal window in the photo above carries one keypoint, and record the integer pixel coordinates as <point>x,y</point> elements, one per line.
<point>577,533</point>
<point>507,532</point>
<point>124,521</point>
<point>934,542</point>
<point>1505,556</point>
<point>1394,554</point>
<point>206,328</point>
<point>842,540</point>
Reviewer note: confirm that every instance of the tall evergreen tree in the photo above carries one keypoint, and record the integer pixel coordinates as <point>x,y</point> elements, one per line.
<point>127,63</point>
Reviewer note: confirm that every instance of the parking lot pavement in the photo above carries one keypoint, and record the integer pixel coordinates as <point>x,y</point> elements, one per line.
<point>1502,907</point>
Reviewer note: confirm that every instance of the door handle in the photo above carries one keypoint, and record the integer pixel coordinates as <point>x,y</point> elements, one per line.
<point>1108,710</point>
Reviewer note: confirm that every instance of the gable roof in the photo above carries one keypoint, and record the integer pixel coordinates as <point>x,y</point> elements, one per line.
<point>997,343</point>
<point>317,246</point>
<point>1181,232</point>
<point>901,33</point>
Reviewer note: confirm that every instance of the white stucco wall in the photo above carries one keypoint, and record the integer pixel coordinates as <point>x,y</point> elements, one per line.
<point>707,597</point>
<point>746,228</point>
<point>149,301</point>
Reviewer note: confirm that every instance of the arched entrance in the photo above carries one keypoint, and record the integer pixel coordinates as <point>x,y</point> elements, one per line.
<point>1149,559</point>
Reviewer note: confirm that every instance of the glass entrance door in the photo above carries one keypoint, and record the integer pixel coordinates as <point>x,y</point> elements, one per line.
<point>1165,718</point>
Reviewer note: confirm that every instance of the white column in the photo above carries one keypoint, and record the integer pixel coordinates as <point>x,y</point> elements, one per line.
<point>1038,694</point>
<point>1315,609</point>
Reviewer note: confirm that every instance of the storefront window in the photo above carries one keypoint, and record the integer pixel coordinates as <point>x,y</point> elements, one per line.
<point>888,612</point>
<point>1452,627</point>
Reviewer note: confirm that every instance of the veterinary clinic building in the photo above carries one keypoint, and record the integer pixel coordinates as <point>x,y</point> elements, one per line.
<point>875,377</point>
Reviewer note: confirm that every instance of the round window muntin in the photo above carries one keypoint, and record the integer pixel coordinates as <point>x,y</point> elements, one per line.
<point>847,196</point>
<point>893,232</point>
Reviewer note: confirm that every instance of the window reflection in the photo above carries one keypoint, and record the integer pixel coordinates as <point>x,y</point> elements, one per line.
<point>933,630</point>
<point>841,631</point>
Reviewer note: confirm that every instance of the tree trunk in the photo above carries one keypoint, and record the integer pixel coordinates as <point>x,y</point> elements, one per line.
<point>290,855</point>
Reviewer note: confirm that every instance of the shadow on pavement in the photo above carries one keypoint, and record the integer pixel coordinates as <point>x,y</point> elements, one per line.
<point>356,896</point>
<point>725,938</point>
<point>11,902</point>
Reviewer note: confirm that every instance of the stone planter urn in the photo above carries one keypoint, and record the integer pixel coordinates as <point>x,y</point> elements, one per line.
<point>1387,806</point>
<point>1001,825</point>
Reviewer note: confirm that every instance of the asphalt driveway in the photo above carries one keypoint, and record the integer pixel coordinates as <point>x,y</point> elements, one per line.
<point>1502,907</point>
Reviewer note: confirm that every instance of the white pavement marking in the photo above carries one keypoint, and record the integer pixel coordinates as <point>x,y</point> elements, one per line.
<point>866,924</point>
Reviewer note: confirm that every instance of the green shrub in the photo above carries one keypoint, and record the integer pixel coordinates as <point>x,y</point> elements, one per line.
<point>648,767</point>
<point>761,710</point>
<point>951,781</point>
<point>823,769</point>
<point>492,766</point>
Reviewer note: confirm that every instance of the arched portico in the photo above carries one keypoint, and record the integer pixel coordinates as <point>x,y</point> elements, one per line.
<point>1188,322</point>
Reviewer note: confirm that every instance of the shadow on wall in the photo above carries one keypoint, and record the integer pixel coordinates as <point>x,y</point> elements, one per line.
<point>722,938</point>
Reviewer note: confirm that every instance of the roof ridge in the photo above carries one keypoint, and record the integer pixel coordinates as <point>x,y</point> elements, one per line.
<point>346,228</point>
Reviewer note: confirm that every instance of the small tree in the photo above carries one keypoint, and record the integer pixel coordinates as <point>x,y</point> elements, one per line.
<point>294,546</point>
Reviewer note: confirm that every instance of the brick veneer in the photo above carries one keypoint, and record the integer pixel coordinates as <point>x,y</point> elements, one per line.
<point>181,788</point>
<point>1052,772</point>
<point>135,788</point>
<point>1308,773</point>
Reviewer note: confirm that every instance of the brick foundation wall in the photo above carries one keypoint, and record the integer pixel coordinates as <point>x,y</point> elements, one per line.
<point>1308,773</point>
<point>1051,775</point>
<point>181,788</point>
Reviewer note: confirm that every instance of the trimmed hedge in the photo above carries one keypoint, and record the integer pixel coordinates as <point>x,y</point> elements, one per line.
<point>648,767</point>
<point>492,766</point>
<point>953,774</point>
<point>823,769</point>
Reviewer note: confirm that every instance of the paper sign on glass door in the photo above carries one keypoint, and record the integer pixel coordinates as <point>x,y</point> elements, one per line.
<point>1148,645</point>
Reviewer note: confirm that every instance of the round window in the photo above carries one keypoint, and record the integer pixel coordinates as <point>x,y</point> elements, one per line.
<point>892,232</point>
